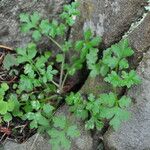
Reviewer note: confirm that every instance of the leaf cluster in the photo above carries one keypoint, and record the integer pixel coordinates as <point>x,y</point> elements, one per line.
<point>8,104</point>
<point>61,132</point>
<point>36,71</point>
<point>104,107</point>
<point>38,86</point>
<point>114,65</point>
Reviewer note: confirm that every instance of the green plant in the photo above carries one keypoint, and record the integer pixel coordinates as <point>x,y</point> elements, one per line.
<point>53,29</point>
<point>40,90</point>
<point>114,68</point>
<point>5,106</point>
<point>61,132</point>
<point>41,87</point>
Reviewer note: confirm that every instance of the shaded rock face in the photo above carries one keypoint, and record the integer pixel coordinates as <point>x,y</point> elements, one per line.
<point>134,134</point>
<point>40,144</point>
<point>9,19</point>
<point>140,39</point>
<point>109,18</point>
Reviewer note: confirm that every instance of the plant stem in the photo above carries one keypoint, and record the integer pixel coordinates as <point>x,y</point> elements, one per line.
<point>62,65</point>
<point>61,74</point>
<point>61,80</point>
<point>117,71</point>
<point>55,42</point>
<point>57,85</point>
<point>49,98</point>
<point>64,80</point>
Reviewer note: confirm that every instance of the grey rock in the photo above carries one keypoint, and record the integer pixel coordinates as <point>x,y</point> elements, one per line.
<point>134,134</point>
<point>40,144</point>
<point>109,19</point>
<point>140,39</point>
<point>10,34</point>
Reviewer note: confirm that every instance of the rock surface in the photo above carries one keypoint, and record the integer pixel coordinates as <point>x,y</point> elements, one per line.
<point>134,134</point>
<point>109,19</point>
<point>10,34</point>
<point>40,144</point>
<point>140,39</point>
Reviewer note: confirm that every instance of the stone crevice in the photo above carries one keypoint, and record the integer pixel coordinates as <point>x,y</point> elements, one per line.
<point>135,24</point>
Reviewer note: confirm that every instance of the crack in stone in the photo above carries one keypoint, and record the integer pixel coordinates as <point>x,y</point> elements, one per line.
<point>135,24</point>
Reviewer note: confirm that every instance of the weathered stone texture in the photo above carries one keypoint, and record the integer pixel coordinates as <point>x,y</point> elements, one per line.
<point>108,18</point>
<point>10,34</point>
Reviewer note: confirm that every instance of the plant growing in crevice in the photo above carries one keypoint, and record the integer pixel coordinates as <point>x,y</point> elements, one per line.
<point>40,89</point>
<point>114,68</point>
<point>41,28</point>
